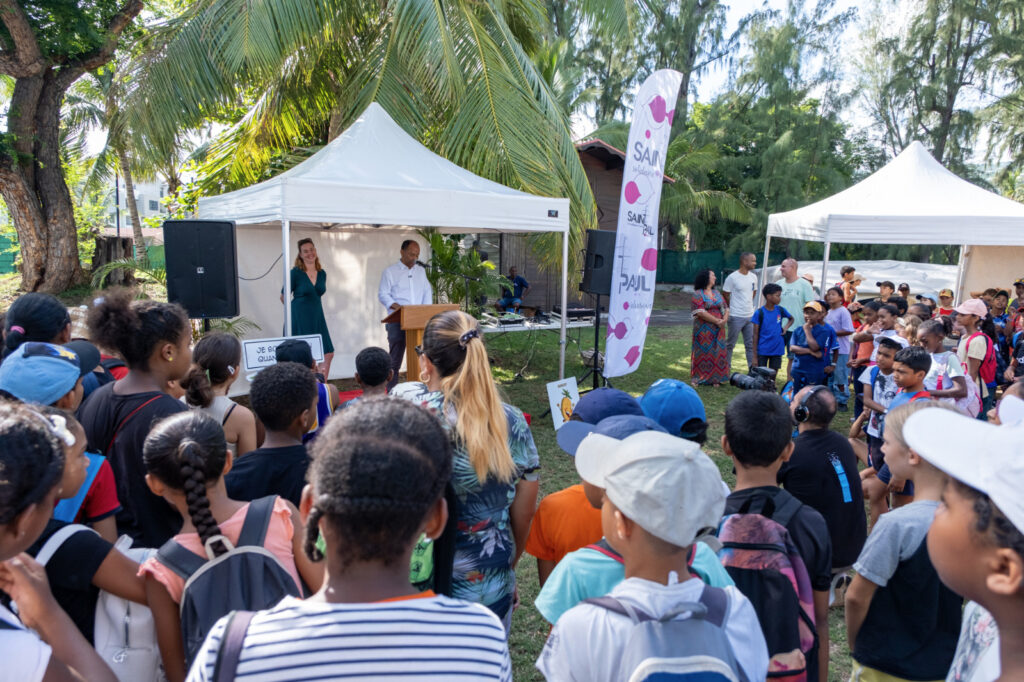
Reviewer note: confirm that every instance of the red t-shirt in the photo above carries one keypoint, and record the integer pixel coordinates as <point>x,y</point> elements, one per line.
<point>565,521</point>
<point>943,311</point>
<point>101,500</point>
<point>117,372</point>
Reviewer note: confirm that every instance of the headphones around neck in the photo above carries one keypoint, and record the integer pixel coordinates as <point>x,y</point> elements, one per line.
<point>801,413</point>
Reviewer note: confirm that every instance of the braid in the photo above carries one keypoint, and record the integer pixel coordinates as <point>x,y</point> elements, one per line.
<point>992,522</point>
<point>195,494</point>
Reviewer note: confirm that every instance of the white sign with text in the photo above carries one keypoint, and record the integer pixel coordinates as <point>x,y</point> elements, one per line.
<point>259,353</point>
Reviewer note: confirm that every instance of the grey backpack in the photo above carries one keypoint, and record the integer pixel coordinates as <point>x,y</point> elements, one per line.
<point>686,644</point>
<point>248,577</point>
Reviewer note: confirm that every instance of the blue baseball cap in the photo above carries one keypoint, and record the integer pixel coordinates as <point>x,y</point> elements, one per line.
<point>619,427</point>
<point>672,403</point>
<point>42,373</point>
<point>599,404</point>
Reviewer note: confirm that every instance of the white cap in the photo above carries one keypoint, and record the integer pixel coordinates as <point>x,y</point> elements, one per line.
<point>986,457</point>
<point>1010,410</point>
<point>665,484</point>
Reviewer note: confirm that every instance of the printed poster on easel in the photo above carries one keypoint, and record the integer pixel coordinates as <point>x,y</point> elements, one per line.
<point>562,397</point>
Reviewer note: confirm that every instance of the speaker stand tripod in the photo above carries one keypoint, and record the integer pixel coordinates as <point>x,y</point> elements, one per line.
<point>594,369</point>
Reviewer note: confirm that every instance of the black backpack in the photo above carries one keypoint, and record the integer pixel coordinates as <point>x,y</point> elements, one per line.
<point>248,577</point>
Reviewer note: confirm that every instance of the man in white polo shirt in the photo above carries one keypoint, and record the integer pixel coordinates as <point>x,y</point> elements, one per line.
<point>402,283</point>
<point>739,290</point>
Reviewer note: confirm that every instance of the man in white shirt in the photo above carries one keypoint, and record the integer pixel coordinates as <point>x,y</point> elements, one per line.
<point>402,283</point>
<point>739,290</point>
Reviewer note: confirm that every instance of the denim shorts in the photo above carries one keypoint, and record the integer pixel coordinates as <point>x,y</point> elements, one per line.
<point>884,475</point>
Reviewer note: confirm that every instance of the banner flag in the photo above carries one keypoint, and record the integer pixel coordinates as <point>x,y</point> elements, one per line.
<point>636,240</point>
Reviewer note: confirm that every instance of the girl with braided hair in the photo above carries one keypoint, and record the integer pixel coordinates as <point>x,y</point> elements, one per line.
<point>495,464</point>
<point>186,458</point>
<point>376,485</point>
<point>31,471</point>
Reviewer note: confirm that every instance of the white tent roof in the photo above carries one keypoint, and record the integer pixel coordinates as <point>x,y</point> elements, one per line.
<point>912,200</point>
<point>376,174</point>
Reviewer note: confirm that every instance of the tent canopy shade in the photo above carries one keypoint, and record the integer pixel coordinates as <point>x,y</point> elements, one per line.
<point>373,178</point>
<point>911,200</point>
<point>375,173</point>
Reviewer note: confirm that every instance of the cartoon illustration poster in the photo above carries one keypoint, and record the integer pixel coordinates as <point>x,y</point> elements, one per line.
<point>562,397</point>
<point>636,239</point>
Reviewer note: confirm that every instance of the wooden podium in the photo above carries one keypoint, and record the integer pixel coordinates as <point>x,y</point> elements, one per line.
<point>413,319</point>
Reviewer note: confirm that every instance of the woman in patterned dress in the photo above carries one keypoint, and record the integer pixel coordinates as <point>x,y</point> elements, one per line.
<point>495,461</point>
<point>709,363</point>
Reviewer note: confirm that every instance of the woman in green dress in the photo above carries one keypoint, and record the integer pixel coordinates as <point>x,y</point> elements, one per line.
<point>308,284</point>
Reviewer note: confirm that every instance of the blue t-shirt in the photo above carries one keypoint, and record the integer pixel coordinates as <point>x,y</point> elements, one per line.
<point>769,334</point>
<point>902,398</point>
<point>518,285</point>
<point>588,573</point>
<point>808,365</point>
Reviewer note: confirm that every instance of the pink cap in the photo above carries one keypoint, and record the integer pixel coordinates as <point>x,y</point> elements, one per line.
<point>973,306</point>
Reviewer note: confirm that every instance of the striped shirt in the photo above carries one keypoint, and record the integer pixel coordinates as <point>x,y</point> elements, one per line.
<point>431,638</point>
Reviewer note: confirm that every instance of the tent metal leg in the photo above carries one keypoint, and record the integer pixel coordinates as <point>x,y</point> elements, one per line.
<point>286,261</point>
<point>823,286</point>
<point>565,304</point>
<point>764,270</point>
<point>960,275</point>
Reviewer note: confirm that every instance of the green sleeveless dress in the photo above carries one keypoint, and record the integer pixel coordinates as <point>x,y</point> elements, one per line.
<point>307,311</point>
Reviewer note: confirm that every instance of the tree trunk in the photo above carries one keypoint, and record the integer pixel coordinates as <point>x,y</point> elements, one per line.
<point>133,208</point>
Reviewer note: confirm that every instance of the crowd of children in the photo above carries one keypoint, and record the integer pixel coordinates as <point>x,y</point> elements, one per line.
<point>301,537</point>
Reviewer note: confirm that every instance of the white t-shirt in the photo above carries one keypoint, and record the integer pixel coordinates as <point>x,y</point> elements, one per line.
<point>840,320</point>
<point>945,367</point>
<point>429,638</point>
<point>883,390</point>
<point>25,656</point>
<point>977,653</point>
<point>586,642</point>
<point>741,290</point>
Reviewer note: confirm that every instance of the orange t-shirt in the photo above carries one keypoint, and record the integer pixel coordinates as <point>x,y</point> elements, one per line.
<point>565,521</point>
<point>864,348</point>
<point>278,541</point>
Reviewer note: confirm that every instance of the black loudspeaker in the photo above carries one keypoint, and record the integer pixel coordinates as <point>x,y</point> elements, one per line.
<point>202,267</point>
<point>597,267</point>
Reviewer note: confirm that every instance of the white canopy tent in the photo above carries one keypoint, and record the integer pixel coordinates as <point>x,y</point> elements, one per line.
<point>912,200</point>
<point>373,178</point>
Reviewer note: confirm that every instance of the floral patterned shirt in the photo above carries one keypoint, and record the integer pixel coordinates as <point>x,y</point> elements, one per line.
<point>484,545</point>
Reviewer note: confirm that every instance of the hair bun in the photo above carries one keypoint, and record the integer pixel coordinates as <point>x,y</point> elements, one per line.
<point>465,338</point>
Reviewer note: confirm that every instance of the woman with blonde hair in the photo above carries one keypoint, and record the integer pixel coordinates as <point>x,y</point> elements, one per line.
<point>495,462</point>
<point>308,285</point>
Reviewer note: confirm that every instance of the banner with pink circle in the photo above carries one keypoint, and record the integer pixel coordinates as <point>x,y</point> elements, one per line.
<point>636,239</point>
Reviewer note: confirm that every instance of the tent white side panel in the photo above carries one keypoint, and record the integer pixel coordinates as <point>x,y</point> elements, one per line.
<point>353,261</point>
<point>992,266</point>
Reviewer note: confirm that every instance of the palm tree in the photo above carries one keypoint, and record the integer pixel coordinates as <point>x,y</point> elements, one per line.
<point>457,75</point>
<point>687,202</point>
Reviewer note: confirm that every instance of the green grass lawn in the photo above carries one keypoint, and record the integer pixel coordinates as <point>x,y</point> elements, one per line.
<point>666,354</point>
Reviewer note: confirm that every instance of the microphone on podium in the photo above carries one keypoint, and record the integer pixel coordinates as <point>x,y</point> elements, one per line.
<point>422,264</point>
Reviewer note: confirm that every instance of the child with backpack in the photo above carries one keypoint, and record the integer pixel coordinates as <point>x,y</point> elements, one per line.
<point>789,583</point>
<point>902,622</point>
<point>910,365</point>
<point>257,545</point>
<point>47,374</point>
<point>154,338</point>
<point>660,491</point>
<point>976,542</point>
<point>41,641</point>
<point>376,487</point>
<point>879,382</point>
<point>284,398</point>
<point>596,568</point>
<point>977,350</point>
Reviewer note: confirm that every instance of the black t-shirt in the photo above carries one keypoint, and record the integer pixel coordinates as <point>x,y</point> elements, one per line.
<point>70,572</point>
<point>269,471</point>
<point>809,533</point>
<point>1018,353</point>
<point>822,473</point>
<point>149,519</point>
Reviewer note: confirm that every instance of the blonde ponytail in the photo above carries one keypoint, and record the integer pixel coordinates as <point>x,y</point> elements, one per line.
<point>453,343</point>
